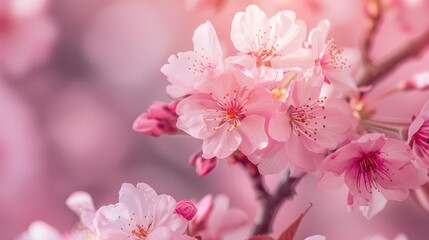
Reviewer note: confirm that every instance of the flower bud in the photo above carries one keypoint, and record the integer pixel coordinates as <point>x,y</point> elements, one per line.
<point>186,209</point>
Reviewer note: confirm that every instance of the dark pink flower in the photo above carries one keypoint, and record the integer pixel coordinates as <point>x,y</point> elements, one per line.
<point>203,166</point>
<point>373,164</point>
<point>160,119</point>
<point>186,209</point>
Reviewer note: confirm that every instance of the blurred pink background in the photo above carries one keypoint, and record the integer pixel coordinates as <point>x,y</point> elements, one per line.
<point>75,74</point>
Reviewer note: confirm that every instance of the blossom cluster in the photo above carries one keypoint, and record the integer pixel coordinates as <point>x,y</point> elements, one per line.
<point>289,99</point>
<point>142,214</point>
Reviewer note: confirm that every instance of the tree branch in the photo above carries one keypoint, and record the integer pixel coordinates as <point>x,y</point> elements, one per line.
<point>272,203</point>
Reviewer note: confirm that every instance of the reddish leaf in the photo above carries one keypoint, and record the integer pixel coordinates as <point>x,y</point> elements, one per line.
<point>290,232</point>
<point>261,237</point>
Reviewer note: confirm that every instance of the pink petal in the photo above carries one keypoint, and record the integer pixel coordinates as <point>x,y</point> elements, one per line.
<point>207,44</point>
<point>222,143</point>
<point>378,203</point>
<point>253,134</point>
<point>292,31</point>
<point>272,159</point>
<point>279,127</point>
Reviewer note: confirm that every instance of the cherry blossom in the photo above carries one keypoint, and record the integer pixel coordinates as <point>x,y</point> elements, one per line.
<point>215,218</point>
<point>418,136</point>
<point>274,42</point>
<point>203,166</point>
<point>140,214</point>
<point>302,128</point>
<point>160,119</point>
<point>229,114</point>
<point>186,209</point>
<point>82,204</point>
<point>329,60</point>
<point>186,70</point>
<point>372,164</point>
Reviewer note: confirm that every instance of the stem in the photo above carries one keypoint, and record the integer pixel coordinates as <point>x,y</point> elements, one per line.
<point>374,13</point>
<point>272,203</point>
<point>375,72</point>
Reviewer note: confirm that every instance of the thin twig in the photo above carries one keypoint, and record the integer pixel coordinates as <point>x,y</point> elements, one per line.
<point>374,13</point>
<point>375,73</point>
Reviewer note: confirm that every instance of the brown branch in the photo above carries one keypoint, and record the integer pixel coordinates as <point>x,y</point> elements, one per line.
<point>272,203</point>
<point>375,72</point>
<point>374,12</point>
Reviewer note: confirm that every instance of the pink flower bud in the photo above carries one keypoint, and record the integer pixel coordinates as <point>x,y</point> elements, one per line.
<point>160,119</point>
<point>186,209</point>
<point>202,165</point>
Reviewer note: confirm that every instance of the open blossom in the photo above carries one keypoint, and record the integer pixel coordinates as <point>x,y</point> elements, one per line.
<point>186,70</point>
<point>371,165</point>
<point>228,114</point>
<point>302,128</point>
<point>418,136</point>
<point>267,42</point>
<point>215,218</point>
<point>141,214</point>
<point>160,119</point>
<point>328,59</point>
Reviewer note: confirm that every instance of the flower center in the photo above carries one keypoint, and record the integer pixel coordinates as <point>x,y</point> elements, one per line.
<point>140,232</point>
<point>372,168</point>
<point>333,58</point>
<point>231,110</point>
<point>308,118</point>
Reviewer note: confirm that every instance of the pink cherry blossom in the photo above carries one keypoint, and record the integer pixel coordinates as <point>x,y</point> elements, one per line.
<point>418,136</point>
<point>267,42</point>
<point>329,59</point>
<point>203,166</point>
<point>228,114</point>
<point>140,214</point>
<point>41,231</point>
<point>372,164</point>
<point>186,209</point>
<point>302,128</point>
<point>215,219</point>
<point>160,119</point>
<point>82,204</point>
<point>188,69</point>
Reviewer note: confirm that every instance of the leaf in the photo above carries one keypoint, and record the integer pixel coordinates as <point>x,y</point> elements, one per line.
<point>290,232</point>
<point>261,237</point>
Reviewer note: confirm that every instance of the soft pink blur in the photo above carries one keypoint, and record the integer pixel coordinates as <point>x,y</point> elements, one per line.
<point>93,66</point>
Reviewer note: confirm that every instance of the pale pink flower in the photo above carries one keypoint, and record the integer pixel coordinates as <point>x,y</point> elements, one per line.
<point>328,59</point>
<point>26,35</point>
<point>203,166</point>
<point>186,70</point>
<point>302,128</point>
<point>41,231</point>
<point>215,218</point>
<point>140,214</point>
<point>160,119</point>
<point>370,164</point>
<point>316,237</point>
<point>186,209</point>
<point>274,42</point>
<point>418,136</point>
<point>82,204</point>
<point>228,114</point>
